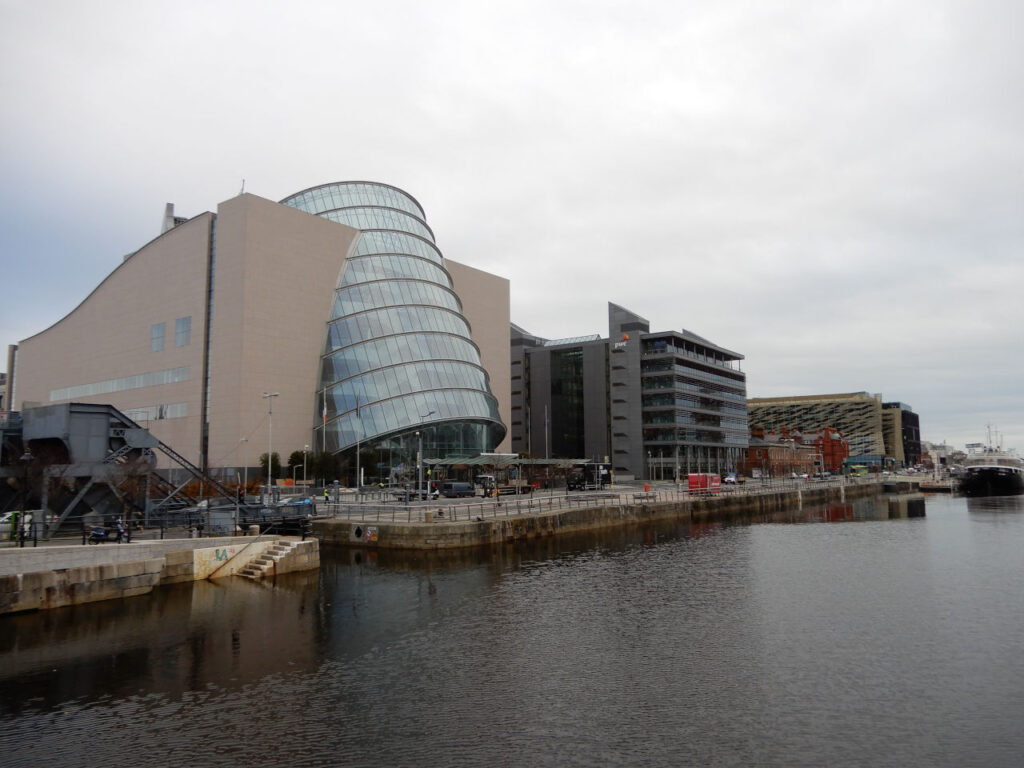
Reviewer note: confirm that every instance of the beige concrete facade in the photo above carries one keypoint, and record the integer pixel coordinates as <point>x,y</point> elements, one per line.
<point>487,305</point>
<point>276,272</point>
<point>107,336</point>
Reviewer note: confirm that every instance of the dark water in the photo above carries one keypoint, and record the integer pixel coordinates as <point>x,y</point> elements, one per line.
<point>873,634</point>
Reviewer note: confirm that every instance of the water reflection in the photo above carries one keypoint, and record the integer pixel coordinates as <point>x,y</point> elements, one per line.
<point>848,633</point>
<point>182,637</point>
<point>229,634</point>
<point>980,505</point>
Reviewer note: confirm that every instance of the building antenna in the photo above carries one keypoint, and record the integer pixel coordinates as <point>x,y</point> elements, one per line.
<point>243,187</point>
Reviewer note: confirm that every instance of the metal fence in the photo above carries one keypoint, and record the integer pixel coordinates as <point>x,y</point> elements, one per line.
<point>375,510</point>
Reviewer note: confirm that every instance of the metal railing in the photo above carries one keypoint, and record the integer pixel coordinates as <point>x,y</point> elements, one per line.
<point>539,503</point>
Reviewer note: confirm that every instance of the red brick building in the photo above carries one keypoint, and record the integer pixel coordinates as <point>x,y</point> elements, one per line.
<point>780,455</point>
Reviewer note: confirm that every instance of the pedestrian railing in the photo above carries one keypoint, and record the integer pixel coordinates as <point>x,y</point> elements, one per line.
<point>531,504</point>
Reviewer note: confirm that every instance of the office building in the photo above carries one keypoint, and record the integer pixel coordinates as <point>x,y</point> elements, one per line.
<point>653,405</point>
<point>901,428</point>
<point>877,433</point>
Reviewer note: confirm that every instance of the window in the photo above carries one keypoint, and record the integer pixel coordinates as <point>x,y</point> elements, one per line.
<point>156,337</point>
<point>182,331</point>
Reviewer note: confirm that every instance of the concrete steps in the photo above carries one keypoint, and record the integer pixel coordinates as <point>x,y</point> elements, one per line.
<point>263,565</point>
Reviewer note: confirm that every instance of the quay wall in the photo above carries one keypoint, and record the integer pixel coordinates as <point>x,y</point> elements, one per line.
<point>54,576</point>
<point>436,534</point>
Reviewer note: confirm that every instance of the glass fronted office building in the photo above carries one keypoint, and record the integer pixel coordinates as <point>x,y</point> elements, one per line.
<point>653,405</point>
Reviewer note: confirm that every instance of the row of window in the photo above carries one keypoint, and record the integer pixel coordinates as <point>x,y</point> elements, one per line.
<point>703,388</point>
<point>659,367</point>
<point>408,412</point>
<point>389,293</point>
<point>404,380</point>
<point>695,435</point>
<point>182,333</point>
<point>379,218</point>
<point>700,419</point>
<point>394,350</point>
<point>153,379</point>
<point>390,320</point>
<point>660,347</point>
<point>157,412</point>
<point>384,241</point>
<point>332,196</point>
<point>363,269</point>
<point>681,400</point>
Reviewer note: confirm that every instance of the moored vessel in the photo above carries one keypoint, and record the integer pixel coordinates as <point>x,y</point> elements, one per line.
<point>991,472</point>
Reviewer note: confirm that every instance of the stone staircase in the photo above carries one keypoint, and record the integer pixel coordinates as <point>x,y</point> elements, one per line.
<point>262,565</point>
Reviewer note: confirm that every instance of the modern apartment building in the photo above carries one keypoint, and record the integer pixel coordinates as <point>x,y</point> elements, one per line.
<point>322,322</point>
<point>653,405</point>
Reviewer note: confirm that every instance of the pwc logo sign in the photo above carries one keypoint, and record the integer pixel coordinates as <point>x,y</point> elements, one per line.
<point>621,344</point>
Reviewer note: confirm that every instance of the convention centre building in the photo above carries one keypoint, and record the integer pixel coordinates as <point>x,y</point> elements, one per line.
<point>323,322</point>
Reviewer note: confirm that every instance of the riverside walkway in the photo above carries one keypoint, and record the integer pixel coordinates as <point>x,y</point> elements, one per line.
<point>450,523</point>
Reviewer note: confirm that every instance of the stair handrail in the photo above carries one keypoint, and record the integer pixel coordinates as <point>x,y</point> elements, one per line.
<point>248,544</point>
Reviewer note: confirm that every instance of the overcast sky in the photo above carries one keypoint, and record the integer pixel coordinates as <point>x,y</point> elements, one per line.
<point>834,190</point>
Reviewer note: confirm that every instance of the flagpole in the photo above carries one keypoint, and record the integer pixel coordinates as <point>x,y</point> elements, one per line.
<point>359,436</point>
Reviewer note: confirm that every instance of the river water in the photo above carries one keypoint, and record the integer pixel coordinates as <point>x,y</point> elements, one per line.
<point>887,632</point>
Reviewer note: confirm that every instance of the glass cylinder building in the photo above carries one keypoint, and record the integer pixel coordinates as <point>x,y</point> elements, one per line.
<point>398,363</point>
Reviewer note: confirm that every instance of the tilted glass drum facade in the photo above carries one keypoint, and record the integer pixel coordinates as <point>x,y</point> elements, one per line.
<point>398,356</point>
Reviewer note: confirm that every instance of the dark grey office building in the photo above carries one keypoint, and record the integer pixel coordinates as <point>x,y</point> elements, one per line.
<point>653,405</point>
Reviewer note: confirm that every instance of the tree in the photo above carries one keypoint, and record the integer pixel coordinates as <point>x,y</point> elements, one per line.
<point>275,464</point>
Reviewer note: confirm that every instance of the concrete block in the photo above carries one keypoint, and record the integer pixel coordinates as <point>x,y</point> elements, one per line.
<point>178,557</point>
<point>10,584</point>
<point>82,574</point>
<point>182,569</point>
<point>137,591</point>
<point>38,581</point>
<point>134,568</point>
<point>108,571</point>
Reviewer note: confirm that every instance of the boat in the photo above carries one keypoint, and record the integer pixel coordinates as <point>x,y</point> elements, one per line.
<point>989,471</point>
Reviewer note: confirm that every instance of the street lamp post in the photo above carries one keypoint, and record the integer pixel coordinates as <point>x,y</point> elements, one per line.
<point>26,458</point>
<point>245,467</point>
<point>419,457</point>
<point>270,440</point>
<point>305,450</point>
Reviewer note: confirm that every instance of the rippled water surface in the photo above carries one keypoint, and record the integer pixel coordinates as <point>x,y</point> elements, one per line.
<point>885,632</point>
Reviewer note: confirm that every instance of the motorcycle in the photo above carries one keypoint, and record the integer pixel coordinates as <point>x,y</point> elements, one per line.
<point>96,535</point>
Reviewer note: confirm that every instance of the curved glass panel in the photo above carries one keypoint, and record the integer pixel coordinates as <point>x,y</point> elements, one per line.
<point>390,265</point>
<point>403,380</point>
<point>390,293</point>
<point>404,413</point>
<point>382,241</point>
<point>397,343</point>
<point>353,193</point>
<point>396,350</point>
<point>391,320</point>
<point>379,218</point>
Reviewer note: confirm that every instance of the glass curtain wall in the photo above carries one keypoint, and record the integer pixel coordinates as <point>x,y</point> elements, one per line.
<point>694,409</point>
<point>398,364</point>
